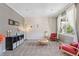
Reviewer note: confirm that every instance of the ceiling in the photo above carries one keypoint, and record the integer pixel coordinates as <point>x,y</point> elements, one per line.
<point>37,9</point>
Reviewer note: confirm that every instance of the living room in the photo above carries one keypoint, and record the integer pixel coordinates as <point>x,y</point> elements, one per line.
<point>26,25</point>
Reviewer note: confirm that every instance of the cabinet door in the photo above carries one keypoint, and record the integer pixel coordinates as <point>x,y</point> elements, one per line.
<point>14,45</point>
<point>18,43</point>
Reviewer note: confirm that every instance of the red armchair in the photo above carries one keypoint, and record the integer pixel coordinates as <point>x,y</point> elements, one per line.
<point>71,49</point>
<point>53,36</point>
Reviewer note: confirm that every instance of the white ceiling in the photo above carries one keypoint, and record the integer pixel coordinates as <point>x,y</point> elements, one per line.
<point>37,9</point>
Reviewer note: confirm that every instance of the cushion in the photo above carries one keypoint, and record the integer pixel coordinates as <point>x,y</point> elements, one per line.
<point>74,44</point>
<point>69,48</point>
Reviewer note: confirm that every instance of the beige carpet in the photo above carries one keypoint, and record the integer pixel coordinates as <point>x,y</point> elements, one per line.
<point>31,48</point>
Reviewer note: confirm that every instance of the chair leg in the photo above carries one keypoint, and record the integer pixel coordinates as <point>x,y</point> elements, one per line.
<point>77,53</point>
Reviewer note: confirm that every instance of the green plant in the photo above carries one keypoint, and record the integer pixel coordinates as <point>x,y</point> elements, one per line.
<point>69,29</point>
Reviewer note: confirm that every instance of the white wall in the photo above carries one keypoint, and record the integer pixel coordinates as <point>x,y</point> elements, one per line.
<point>5,14</point>
<point>39,25</point>
<point>52,21</point>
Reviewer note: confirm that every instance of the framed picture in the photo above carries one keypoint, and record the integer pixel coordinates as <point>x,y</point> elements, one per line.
<point>10,22</point>
<point>16,23</point>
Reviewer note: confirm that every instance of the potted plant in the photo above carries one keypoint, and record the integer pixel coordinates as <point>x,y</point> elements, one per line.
<point>69,29</point>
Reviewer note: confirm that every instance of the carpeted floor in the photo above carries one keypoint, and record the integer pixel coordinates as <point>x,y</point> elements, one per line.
<point>31,48</point>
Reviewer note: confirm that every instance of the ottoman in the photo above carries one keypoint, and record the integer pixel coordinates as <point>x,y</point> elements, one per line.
<point>43,42</point>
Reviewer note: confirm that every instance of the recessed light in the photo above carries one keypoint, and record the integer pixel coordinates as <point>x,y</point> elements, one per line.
<point>51,9</point>
<point>27,9</point>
